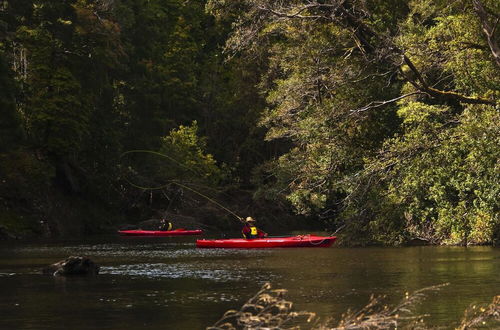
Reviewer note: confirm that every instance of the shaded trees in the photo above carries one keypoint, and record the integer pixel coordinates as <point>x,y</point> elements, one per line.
<point>11,133</point>
<point>82,81</point>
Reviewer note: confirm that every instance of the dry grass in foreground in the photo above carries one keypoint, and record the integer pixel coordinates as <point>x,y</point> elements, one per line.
<point>269,309</point>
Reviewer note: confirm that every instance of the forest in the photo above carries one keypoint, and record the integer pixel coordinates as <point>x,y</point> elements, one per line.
<point>377,117</point>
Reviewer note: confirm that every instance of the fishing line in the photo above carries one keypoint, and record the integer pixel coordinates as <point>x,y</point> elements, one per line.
<point>174,182</point>
<point>158,154</point>
<point>338,229</point>
<point>208,198</point>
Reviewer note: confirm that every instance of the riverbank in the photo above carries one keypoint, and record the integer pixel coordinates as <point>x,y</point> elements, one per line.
<point>51,212</point>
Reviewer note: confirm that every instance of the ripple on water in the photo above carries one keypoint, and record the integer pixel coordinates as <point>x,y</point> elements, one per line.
<point>150,250</point>
<point>7,274</point>
<point>182,271</point>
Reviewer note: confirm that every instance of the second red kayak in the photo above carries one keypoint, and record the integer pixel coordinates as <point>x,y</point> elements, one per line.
<point>268,242</point>
<point>175,232</point>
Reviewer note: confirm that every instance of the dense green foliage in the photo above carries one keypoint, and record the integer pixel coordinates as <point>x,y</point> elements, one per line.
<point>391,108</point>
<point>381,115</point>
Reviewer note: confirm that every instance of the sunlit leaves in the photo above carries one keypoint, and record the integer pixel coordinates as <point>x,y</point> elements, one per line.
<point>447,177</point>
<point>188,157</point>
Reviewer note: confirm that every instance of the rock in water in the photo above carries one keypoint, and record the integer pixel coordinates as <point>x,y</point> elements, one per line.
<point>73,266</point>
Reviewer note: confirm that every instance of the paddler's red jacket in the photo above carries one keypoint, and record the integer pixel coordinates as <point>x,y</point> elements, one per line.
<point>247,231</point>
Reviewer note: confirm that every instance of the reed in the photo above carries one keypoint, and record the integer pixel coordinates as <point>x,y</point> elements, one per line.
<point>268,309</point>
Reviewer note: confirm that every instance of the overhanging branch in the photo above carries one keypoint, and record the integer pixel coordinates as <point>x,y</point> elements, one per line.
<point>365,38</point>
<point>488,29</point>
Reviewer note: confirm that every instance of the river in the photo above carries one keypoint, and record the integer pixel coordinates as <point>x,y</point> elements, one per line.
<point>167,283</point>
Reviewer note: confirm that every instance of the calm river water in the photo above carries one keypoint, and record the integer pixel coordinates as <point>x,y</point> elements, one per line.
<point>167,283</point>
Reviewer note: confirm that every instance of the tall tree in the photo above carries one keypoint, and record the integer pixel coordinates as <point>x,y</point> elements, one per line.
<point>11,133</point>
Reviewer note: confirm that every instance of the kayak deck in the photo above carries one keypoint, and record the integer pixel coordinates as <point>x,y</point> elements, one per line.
<point>176,232</point>
<point>268,242</point>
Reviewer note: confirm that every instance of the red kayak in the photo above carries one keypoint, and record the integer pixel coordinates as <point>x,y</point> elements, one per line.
<point>175,232</point>
<point>268,242</point>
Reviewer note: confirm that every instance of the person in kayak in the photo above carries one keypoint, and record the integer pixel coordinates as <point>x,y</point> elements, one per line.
<point>251,231</point>
<point>165,225</point>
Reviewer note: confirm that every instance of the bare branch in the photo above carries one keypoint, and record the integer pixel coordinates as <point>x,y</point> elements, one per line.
<point>488,29</point>
<point>378,104</point>
<point>295,15</point>
<point>410,64</point>
<point>434,92</point>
